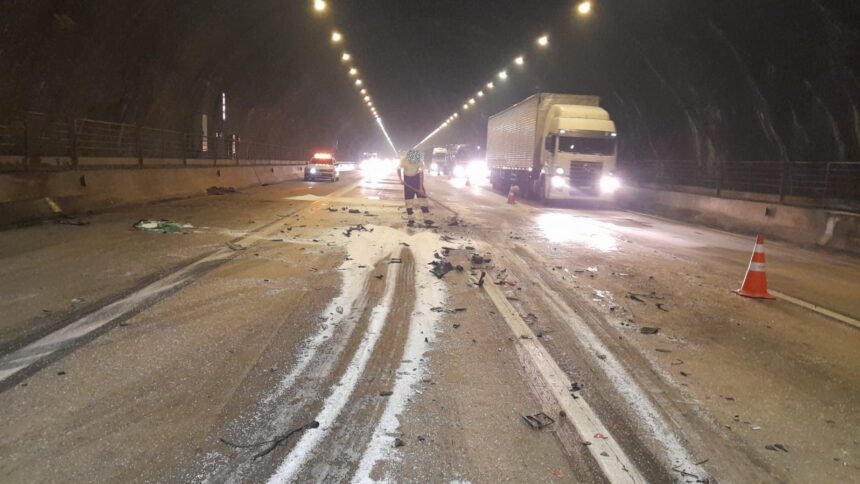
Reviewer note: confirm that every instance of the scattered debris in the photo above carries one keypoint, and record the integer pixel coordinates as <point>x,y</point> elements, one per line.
<point>538,421</point>
<point>61,373</point>
<point>393,261</point>
<point>649,330</point>
<point>339,310</point>
<point>162,226</point>
<point>776,448</point>
<point>479,260</point>
<point>398,442</point>
<point>481,280</point>
<point>332,209</point>
<point>386,393</point>
<point>448,311</point>
<point>635,297</point>
<point>661,307</point>
<point>380,276</point>
<point>235,247</point>
<point>356,228</point>
<point>440,268</point>
<point>662,350</point>
<point>274,443</point>
<point>66,220</point>
<point>220,190</point>
<point>354,210</point>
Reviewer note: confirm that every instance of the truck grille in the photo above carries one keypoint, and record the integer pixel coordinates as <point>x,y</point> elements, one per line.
<point>585,174</point>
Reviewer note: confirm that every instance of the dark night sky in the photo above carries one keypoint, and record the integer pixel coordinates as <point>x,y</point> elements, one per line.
<point>692,79</point>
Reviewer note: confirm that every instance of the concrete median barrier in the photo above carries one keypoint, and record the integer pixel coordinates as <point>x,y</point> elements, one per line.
<point>800,225</point>
<point>26,197</point>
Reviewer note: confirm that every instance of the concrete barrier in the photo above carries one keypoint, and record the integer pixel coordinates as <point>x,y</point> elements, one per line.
<point>32,196</point>
<point>800,225</point>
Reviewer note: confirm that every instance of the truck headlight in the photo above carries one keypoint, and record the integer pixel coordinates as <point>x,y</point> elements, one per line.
<point>609,184</point>
<point>313,171</point>
<point>434,166</point>
<point>559,182</point>
<point>459,171</point>
<point>559,171</point>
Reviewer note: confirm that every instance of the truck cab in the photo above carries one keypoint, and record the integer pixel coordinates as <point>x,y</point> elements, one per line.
<point>579,154</point>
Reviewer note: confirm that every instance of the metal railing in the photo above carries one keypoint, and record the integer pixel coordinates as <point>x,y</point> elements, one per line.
<point>41,142</point>
<point>833,184</point>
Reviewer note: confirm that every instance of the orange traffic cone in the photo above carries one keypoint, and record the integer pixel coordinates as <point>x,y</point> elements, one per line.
<point>512,195</point>
<point>755,282</point>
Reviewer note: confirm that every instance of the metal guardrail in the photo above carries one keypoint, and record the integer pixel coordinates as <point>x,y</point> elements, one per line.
<point>41,142</point>
<point>830,182</point>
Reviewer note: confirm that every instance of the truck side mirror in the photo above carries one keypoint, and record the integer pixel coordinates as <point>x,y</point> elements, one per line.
<point>550,143</point>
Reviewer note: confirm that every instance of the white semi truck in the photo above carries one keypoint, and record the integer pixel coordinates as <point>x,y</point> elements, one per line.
<point>554,147</point>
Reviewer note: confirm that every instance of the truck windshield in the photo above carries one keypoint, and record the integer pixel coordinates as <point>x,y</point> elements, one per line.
<point>586,146</point>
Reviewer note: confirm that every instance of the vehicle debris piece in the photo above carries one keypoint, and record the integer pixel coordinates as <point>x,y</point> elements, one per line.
<point>163,226</point>
<point>398,442</point>
<point>332,209</point>
<point>274,443</point>
<point>354,210</point>
<point>220,190</point>
<point>66,220</point>
<point>538,421</point>
<point>649,330</point>
<point>390,261</point>
<point>478,259</point>
<point>481,279</point>
<point>356,228</point>
<point>386,393</point>
<point>440,268</point>
<point>438,309</point>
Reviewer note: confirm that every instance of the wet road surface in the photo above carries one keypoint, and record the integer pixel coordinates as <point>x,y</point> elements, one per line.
<point>266,315</point>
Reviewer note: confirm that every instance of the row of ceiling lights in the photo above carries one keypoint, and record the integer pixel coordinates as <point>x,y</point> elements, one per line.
<point>337,39</point>
<point>583,8</point>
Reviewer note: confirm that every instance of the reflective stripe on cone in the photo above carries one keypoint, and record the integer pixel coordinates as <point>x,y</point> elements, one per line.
<point>755,281</point>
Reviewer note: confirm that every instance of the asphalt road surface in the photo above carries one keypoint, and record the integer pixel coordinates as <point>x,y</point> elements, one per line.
<point>295,332</point>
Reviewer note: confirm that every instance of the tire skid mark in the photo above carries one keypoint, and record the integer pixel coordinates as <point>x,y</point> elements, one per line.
<point>338,398</point>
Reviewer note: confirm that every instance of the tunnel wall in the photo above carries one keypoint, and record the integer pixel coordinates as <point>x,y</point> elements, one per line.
<point>799,225</point>
<point>26,197</point>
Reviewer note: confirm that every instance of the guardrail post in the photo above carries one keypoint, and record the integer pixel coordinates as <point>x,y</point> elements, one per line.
<point>73,149</point>
<point>720,170</point>
<point>137,146</point>
<point>213,147</point>
<point>162,144</point>
<point>827,180</point>
<point>184,149</point>
<point>28,143</point>
<point>784,178</point>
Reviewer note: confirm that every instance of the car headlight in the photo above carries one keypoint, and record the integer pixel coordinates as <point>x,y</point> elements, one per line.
<point>559,171</point>
<point>559,182</point>
<point>434,167</point>
<point>313,171</point>
<point>609,184</point>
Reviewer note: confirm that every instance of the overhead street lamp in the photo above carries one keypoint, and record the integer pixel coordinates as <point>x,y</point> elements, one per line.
<point>320,5</point>
<point>345,57</point>
<point>353,71</point>
<point>480,93</point>
<point>519,61</point>
<point>584,8</point>
<point>336,37</point>
<point>490,85</point>
<point>543,40</point>
<point>358,82</point>
<point>503,75</point>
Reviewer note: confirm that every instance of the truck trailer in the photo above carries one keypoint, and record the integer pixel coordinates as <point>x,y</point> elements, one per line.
<point>554,147</point>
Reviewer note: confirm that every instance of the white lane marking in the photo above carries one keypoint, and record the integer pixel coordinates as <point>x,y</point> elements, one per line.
<point>338,398</point>
<point>16,361</point>
<point>818,309</point>
<point>613,461</point>
<point>659,429</point>
<point>430,292</point>
<point>20,359</point>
